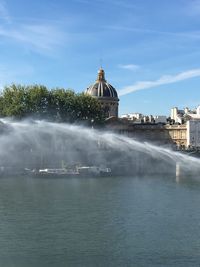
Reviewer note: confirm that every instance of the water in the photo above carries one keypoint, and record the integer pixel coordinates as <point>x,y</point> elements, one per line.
<point>115,221</point>
<point>40,144</point>
<point>148,216</point>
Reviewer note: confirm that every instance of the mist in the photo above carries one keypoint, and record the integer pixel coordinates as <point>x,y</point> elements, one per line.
<point>40,144</point>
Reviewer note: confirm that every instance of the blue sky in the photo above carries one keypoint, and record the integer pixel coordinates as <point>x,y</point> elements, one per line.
<point>150,49</point>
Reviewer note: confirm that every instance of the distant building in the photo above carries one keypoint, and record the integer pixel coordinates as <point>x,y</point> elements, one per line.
<point>160,119</point>
<point>181,130</point>
<point>140,118</point>
<point>182,116</point>
<point>180,136</point>
<point>174,135</point>
<point>105,93</point>
<point>177,134</point>
<point>149,132</point>
<point>177,115</point>
<point>193,133</point>
<point>137,117</point>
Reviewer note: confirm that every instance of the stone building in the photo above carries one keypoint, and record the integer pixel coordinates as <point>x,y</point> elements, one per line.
<point>148,132</point>
<point>184,115</point>
<point>183,133</point>
<point>178,134</point>
<point>193,133</point>
<point>163,134</point>
<point>105,93</point>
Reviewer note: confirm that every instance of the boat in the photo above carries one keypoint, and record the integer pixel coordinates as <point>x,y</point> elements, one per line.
<point>81,171</point>
<point>94,171</point>
<point>54,173</point>
<point>105,171</point>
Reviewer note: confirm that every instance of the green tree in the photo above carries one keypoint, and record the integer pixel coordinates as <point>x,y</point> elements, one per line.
<point>14,101</point>
<point>58,104</point>
<point>38,101</point>
<point>88,109</point>
<point>62,104</point>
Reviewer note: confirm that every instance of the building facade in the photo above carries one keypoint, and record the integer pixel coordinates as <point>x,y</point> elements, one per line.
<point>182,130</point>
<point>140,118</point>
<point>183,115</point>
<point>177,134</point>
<point>193,134</point>
<point>164,134</point>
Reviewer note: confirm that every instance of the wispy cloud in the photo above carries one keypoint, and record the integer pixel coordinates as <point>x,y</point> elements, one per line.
<point>185,34</point>
<point>131,67</point>
<point>105,3</point>
<point>4,14</point>
<point>122,4</point>
<point>166,79</point>
<point>193,7</point>
<point>40,38</point>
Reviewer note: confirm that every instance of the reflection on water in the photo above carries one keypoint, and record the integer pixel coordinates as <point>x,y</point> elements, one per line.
<point>148,221</point>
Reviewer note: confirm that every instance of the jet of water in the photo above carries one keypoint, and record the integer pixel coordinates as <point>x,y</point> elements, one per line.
<point>42,144</point>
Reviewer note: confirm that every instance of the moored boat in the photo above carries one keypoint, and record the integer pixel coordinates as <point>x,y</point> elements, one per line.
<point>94,171</point>
<point>54,173</point>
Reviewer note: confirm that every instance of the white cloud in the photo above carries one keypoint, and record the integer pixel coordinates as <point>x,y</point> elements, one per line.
<point>129,67</point>
<point>184,34</point>
<point>4,14</point>
<point>166,79</point>
<point>41,38</point>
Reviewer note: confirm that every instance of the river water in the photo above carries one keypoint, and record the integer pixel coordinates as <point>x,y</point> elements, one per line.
<point>115,221</point>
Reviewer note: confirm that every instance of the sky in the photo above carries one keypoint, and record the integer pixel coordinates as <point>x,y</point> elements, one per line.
<point>149,49</point>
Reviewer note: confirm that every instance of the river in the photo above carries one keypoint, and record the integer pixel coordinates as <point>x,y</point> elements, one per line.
<point>114,221</point>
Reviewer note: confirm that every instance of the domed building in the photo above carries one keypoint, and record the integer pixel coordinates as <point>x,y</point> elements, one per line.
<point>105,93</point>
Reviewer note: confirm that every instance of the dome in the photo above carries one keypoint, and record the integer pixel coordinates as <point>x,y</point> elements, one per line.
<point>101,88</point>
<point>105,94</point>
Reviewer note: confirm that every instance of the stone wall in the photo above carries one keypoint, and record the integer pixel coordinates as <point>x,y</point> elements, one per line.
<point>154,133</point>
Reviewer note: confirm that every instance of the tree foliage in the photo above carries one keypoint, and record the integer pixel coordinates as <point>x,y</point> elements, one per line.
<point>58,104</point>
